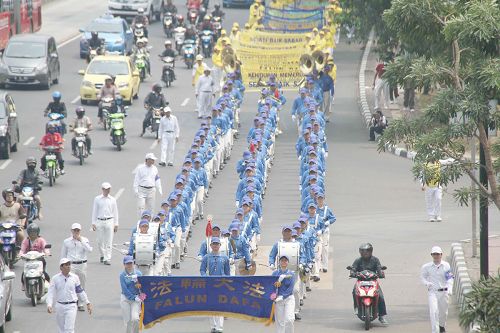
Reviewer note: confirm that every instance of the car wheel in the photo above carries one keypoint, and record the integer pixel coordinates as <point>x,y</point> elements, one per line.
<point>5,152</point>
<point>84,101</point>
<point>8,316</point>
<point>2,329</point>
<point>13,148</point>
<point>49,82</point>
<point>150,16</point>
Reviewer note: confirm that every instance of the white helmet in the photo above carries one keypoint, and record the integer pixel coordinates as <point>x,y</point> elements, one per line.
<point>199,57</point>
<point>145,40</point>
<point>168,42</point>
<point>140,10</point>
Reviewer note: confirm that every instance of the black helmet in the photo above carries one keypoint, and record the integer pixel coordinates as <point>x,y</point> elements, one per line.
<point>217,6</point>
<point>157,87</point>
<point>31,161</point>
<point>366,247</point>
<point>33,228</point>
<point>80,111</point>
<point>94,33</point>
<point>7,190</point>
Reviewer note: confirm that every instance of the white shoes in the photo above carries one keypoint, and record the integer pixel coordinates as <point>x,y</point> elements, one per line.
<point>432,219</point>
<point>439,219</point>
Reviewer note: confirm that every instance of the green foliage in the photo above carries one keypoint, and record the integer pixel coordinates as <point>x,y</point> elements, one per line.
<point>482,305</point>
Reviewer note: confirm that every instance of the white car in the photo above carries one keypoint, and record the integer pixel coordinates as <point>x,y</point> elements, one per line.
<point>7,277</point>
<point>128,8</point>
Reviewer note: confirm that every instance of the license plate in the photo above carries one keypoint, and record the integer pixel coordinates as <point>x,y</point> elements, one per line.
<point>157,121</point>
<point>126,7</point>
<point>366,283</point>
<point>5,234</point>
<point>80,144</point>
<point>106,104</point>
<point>80,138</point>
<point>21,78</point>
<point>50,157</point>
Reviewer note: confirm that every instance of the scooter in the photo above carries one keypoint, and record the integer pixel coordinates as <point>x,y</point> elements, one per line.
<point>34,281</point>
<point>179,37</point>
<point>140,64</point>
<point>8,231</point>
<point>81,144</point>
<point>106,106</point>
<point>52,170</point>
<point>117,133</point>
<point>206,37</point>
<point>55,119</point>
<point>168,71</point>
<point>138,31</point>
<point>27,200</point>
<point>168,24</point>
<point>366,295</point>
<point>188,50</point>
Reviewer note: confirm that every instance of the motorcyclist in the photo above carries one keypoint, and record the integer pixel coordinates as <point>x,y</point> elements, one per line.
<point>52,139</point>
<point>118,106</point>
<point>56,106</point>
<point>168,52</point>
<point>193,4</point>
<point>11,210</point>
<point>180,21</point>
<point>190,33</point>
<point>206,24</point>
<point>170,8</point>
<point>370,263</point>
<point>141,49</point>
<point>81,120</point>
<point>107,90</point>
<point>217,12</point>
<point>30,177</point>
<point>35,242</point>
<point>95,43</point>
<point>142,19</point>
<point>155,99</point>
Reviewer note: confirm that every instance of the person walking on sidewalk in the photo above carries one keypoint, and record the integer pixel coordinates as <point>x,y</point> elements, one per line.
<point>409,96</point>
<point>169,136</point>
<point>380,85</point>
<point>146,182</point>
<point>438,278</point>
<point>105,222</point>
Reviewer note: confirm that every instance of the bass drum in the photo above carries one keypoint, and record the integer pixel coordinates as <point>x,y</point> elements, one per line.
<point>292,251</point>
<point>144,249</point>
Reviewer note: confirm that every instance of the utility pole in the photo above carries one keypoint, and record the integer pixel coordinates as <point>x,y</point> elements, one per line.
<point>473,200</point>
<point>483,213</point>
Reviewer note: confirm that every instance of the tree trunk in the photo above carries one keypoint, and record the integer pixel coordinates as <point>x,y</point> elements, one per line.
<point>483,138</point>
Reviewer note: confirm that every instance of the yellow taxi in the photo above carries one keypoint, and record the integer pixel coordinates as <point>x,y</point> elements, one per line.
<point>121,67</point>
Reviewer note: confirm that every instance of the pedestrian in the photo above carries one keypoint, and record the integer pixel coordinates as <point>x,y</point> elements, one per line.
<point>328,88</point>
<point>378,123</point>
<point>105,222</point>
<point>438,278</point>
<point>198,69</point>
<point>215,264</point>
<point>64,292</point>
<point>129,299</point>
<point>168,136</point>
<point>146,182</point>
<point>409,96</point>
<point>75,248</point>
<point>205,92</point>
<point>433,191</point>
<point>380,85</point>
<point>285,302</point>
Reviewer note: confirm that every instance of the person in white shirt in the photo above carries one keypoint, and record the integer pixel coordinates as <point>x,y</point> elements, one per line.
<point>105,222</point>
<point>64,292</point>
<point>146,182</point>
<point>168,136</point>
<point>204,93</point>
<point>75,248</point>
<point>438,278</point>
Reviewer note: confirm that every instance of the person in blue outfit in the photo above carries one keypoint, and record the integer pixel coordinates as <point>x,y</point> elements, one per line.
<point>326,214</point>
<point>240,247</point>
<point>285,302</point>
<point>130,302</point>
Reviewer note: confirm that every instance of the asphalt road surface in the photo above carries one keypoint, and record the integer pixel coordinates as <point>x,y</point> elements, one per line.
<point>373,196</point>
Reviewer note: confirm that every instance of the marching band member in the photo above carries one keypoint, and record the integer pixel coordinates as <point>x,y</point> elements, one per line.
<point>285,302</point>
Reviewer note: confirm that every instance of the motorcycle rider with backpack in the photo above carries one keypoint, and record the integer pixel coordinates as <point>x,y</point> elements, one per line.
<point>35,242</point>
<point>56,106</point>
<point>31,177</point>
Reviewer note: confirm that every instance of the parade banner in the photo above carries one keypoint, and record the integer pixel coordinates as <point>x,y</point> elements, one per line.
<point>292,21</point>
<point>244,297</point>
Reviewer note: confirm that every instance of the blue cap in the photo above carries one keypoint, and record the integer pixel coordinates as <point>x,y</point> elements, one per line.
<point>302,219</point>
<point>247,155</point>
<point>197,160</point>
<point>311,204</point>
<point>146,213</point>
<point>225,232</point>
<point>128,260</point>
<point>215,240</point>
<point>165,202</point>
<point>162,212</point>
<point>179,180</point>
<point>215,226</point>
<point>250,189</point>
<point>157,217</point>
<point>188,160</point>
<point>296,225</point>
<point>177,192</point>
<point>294,233</point>
<point>303,91</point>
<point>143,222</point>
<point>286,257</point>
<point>286,227</point>
<point>172,197</point>
<point>320,195</point>
<point>239,211</point>
<point>197,138</point>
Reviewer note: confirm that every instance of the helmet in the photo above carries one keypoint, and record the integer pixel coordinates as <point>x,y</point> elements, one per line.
<point>223,32</point>
<point>145,40</point>
<point>139,41</point>
<point>366,247</point>
<point>80,111</point>
<point>236,24</point>
<point>206,17</point>
<point>199,57</point>
<point>7,190</point>
<point>33,228</point>
<point>31,161</point>
<point>168,42</point>
<point>118,100</point>
<point>217,6</point>
<point>157,87</point>
<point>108,78</point>
<point>56,95</point>
<point>140,10</point>
<point>94,33</point>
<point>180,18</point>
<point>50,125</point>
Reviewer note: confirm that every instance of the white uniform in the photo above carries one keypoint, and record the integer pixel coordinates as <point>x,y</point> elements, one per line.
<point>105,218</point>
<point>76,251</point>
<point>169,132</point>
<point>146,182</point>
<point>439,282</point>
<point>204,91</point>
<point>64,292</point>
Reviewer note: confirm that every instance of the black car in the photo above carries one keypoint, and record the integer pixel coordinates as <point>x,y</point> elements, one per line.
<point>9,126</point>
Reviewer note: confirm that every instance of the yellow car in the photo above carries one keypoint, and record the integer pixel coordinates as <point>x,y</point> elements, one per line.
<point>127,77</point>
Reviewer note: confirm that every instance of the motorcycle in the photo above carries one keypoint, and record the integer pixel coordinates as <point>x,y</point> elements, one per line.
<point>192,15</point>
<point>140,64</point>
<point>81,143</point>
<point>138,31</point>
<point>366,295</point>
<point>206,43</point>
<point>107,104</point>
<point>27,200</point>
<point>117,133</point>
<point>35,284</point>
<point>8,231</point>
<point>179,37</point>
<point>155,120</point>
<point>168,71</point>
<point>168,24</point>
<point>189,50</point>
<point>95,51</point>
<point>217,23</point>
<point>52,165</point>
<point>55,119</point>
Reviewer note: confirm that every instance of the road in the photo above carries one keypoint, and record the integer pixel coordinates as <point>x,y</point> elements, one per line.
<point>372,194</point>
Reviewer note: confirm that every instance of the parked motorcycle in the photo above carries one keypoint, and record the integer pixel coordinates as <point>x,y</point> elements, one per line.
<point>189,51</point>
<point>366,294</point>
<point>117,132</point>
<point>179,37</point>
<point>26,198</point>
<point>140,64</point>
<point>206,37</point>
<point>138,31</point>
<point>52,170</point>
<point>168,24</point>
<point>35,284</point>
<point>81,144</point>
<point>55,119</point>
<point>168,70</point>
<point>8,231</point>
<point>107,104</point>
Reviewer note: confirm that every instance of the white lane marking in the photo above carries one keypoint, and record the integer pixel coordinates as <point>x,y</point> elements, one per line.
<point>66,42</point>
<point>154,144</point>
<point>119,193</point>
<point>27,142</point>
<point>5,164</point>
<point>184,103</point>
<point>77,98</point>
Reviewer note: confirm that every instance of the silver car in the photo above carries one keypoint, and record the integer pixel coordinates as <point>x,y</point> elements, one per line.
<point>30,59</point>
<point>6,282</point>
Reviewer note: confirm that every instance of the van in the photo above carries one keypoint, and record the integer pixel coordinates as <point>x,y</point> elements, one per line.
<point>128,8</point>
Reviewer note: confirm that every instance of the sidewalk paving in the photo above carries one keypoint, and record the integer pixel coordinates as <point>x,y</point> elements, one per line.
<point>473,262</point>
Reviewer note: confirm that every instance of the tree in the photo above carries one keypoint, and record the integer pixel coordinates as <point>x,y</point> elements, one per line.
<point>453,46</point>
<point>482,304</point>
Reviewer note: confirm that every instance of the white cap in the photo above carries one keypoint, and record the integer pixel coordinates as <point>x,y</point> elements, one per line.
<point>106,185</point>
<point>436,249</point>
<point>64,261</point>
<point>76,226</point>
<point>151,156</point>
<point>207,69</point>
<point>167,109</point>
<point>199,57</point>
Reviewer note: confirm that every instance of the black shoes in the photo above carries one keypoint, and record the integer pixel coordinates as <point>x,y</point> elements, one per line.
<point>162,164</point>
<point>442,329</point>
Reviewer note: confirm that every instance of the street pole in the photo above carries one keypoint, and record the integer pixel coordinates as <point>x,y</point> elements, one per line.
<point>483,213</point>
<point>473,201</point>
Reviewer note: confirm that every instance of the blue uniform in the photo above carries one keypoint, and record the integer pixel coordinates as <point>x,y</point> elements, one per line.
<point>128,283</point>
<point>242,248</point>
<point>215,265</point>
<point>286,288</point>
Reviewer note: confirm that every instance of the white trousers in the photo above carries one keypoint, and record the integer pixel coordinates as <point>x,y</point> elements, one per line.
<point>130,312</point>
<point>216,76</point>
<point>105,232</point>
<point>438,308</point>
<point>327,104</point>
<point>200,195</point>
<point>65,317</point>
<point>381,86</point>
<point>159,267</point>
<point>146,270</point>
<point>317,257</point>
<point>81,271</point>
<point>146,199</point>
<point>296,294</point>
<point>325,248</point>
<point>177,245</point>
<point>167,147</point>
<point>217,323</point>
<point>433,196</point>
<point>204,102</point>
<point>284,315</point>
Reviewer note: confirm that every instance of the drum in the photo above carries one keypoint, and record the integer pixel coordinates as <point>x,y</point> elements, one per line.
<point>292,251</point>
<point>154,228</point>
<point>144,249</point>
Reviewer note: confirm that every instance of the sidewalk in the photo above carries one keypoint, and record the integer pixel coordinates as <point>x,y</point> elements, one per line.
<point>473,263</point>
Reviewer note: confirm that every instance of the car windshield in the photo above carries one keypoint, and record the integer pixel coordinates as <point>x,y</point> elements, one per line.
<point>25,50</point>
<point>3,112</point>
<point>113,28</point>
<point>108,67</point>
